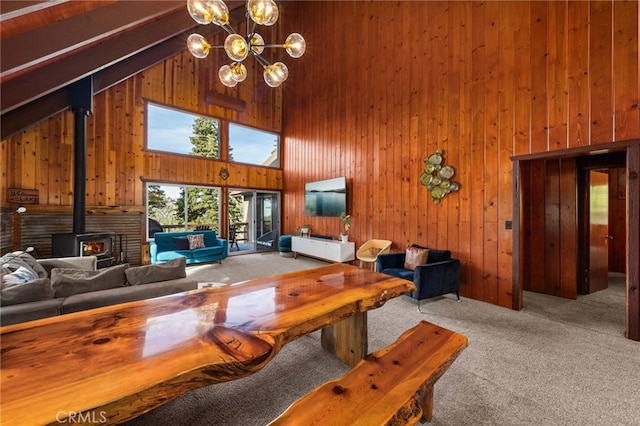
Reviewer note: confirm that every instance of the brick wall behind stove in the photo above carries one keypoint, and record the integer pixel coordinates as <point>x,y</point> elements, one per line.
<point>37,228</point>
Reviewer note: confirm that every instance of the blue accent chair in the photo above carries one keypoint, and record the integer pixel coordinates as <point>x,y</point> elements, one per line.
<point>439,276</point>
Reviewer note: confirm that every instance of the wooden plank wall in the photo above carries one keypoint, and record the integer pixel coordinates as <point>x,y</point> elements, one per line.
<point>381,87</point>
<point>385,84</point>
<point>549,226</point>
<point>41,157</point>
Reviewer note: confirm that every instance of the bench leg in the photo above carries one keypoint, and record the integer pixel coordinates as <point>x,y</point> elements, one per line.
<point>427,405</point>
<point>347,339</point>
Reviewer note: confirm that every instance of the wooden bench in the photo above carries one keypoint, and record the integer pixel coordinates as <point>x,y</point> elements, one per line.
<point>391,386</point>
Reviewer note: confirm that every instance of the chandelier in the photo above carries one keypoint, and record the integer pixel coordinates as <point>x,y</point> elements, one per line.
<point>238,47</point>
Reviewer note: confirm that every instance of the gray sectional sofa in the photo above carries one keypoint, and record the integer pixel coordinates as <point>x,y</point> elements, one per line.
<point>72,284</point>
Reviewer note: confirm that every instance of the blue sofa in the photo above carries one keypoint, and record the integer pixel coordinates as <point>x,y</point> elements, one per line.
<point>439,276</point>
<point>171,245</point>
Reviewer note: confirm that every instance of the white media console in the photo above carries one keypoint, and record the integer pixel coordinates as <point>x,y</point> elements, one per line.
<point>331,250</point>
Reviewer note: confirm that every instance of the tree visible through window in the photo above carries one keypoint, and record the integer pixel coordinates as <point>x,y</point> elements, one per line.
<point>253,146</point>
<point>185,207</point>
<point>182,132</point>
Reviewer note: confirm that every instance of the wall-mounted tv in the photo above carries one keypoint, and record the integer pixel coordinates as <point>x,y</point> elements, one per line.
<point>325,197</point>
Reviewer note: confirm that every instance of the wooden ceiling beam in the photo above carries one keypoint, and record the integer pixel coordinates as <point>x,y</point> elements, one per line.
<point>10,9</point>
<point>55,75</point>
<point>29,115</point>
<point>44,107</point>
<point>158,53</point>
<point>39,45</point>
<point>27,17</point>
<point>65,70</point>
<point>146,59</point>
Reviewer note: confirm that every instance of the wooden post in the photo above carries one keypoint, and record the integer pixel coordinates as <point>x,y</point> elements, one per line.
<point>347,339</point>
<point>16,231</point>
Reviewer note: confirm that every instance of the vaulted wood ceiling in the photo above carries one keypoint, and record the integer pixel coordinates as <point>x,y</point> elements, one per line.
<point>48,45</point>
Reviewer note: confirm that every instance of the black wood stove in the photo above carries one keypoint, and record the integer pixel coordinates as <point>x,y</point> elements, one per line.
<point>80,242</point>
<point>88,244</point>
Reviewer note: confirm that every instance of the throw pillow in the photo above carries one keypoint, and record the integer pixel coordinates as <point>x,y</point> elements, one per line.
<point>15,269</point>
<point>180,243</point>
<point>146,274</point>
<point>196,241</point>
<point>31,261</point>
<point>33,291</point>
<point>415,256</point>
<point>22,275</point>
<point>66,282</point>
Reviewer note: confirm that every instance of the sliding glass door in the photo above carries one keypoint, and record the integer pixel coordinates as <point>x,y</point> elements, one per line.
<point>254,221</point>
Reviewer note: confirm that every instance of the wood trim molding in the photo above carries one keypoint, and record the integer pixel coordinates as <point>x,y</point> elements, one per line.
<point>633,242</point>
<point>602,148</point>
<point>225,101</point>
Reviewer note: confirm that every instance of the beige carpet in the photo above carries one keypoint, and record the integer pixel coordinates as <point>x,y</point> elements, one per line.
<point>556,362</point>
<point>248,266</point>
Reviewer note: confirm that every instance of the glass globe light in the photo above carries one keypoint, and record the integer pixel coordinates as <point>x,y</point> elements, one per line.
<point>295,45</point>
<point>208,11</point>
<point>226,76</point>
<point>199,11</point>
<point>263,12</point>
<point>198,46</point>
<point>219,12</point>
<point>256,39</point>
<point>236,47</point>
<point>276,74</point>
<point>238,71</point>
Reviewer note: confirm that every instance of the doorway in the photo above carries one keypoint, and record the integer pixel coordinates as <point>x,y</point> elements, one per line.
<point>597,215</point>
<point>604,227</point>
<point>551,208</point>
<point>600,211</point>
<point>254,221</point>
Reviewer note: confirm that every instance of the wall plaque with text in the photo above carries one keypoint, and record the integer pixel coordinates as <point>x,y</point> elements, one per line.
<point>24,196</point>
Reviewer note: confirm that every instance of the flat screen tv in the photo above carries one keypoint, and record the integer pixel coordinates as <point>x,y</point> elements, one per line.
<point>325,197</point>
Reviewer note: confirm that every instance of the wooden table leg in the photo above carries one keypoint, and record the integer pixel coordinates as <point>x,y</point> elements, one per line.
<point>347,339</point>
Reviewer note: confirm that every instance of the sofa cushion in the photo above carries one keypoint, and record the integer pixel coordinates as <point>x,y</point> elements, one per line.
<point>415,256</point>
<point>164,256</point>
<point>400,273</point>
<point>170,270</point>
<point>32,291</point>
<point>211,239</point>
<point>88,263</point>
<point>196,241</point>
<point>438,255</point>
<point>181,243</point>
<point>207,251</point>
<point>97,299</point>
<point>66,282</point>
<point>29,311</point>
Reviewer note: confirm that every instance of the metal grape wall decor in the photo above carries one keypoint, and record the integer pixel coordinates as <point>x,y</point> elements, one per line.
<point>437,177</point>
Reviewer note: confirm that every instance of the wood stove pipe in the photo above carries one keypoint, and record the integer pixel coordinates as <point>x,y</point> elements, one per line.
<point>80,98</point>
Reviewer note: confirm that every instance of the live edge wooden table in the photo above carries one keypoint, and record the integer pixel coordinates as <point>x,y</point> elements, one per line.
<point>111,364</point>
